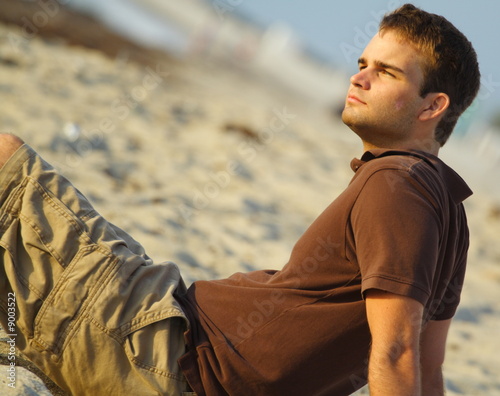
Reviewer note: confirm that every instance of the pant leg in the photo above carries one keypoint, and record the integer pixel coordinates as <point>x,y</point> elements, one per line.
<point>91,309</point>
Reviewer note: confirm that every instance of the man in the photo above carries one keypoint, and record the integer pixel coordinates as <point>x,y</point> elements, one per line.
<point>367,295</point>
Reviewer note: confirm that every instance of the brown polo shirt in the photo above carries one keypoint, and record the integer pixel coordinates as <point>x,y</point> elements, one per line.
<point>399,226</point>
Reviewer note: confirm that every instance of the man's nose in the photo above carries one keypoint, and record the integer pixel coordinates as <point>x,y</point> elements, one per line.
<point>361,79</point>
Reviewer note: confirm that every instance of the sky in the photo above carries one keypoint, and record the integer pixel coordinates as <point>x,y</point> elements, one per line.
<point>337,29</point>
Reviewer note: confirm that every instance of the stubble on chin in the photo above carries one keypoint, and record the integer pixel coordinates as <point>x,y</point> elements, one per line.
<point>367,131</point>
<point>350,119</point>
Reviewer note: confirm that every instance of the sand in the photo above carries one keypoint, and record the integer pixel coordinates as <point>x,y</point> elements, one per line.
<point>220,170</point>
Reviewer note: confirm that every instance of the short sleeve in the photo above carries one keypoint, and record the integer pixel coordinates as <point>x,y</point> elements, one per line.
<point>396,230</point>
<point>448,304</point>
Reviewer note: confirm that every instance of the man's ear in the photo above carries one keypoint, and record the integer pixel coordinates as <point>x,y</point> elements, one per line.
<point>435,104</point>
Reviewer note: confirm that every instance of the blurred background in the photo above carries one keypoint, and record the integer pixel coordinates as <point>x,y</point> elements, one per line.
<point>326,32</point>
<point>272,35</point>
<point>210,131</point>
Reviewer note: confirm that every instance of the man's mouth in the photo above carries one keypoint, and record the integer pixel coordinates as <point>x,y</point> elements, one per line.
<point>354,99</point>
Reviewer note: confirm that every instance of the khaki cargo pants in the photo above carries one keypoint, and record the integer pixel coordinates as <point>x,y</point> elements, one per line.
<point>91,310</point>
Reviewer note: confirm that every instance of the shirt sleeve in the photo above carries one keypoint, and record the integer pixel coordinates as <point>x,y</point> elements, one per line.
<point>396,229</point>
<point>451,297</point>
<point>449,304</point>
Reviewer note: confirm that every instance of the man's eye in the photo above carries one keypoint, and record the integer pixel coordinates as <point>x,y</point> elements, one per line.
<point>386,73</point>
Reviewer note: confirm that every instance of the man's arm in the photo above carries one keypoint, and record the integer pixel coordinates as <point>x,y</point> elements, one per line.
<point>395,324</point>
<point>432,351</point>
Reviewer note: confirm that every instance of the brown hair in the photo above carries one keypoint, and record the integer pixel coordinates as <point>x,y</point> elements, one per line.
<point>450,64</point>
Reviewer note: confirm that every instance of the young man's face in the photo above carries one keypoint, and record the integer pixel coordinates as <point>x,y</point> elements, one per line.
<point>383,102</point>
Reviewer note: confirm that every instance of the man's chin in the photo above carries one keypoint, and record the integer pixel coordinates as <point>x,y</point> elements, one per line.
<point>349,119</point>
<point>346,118</point>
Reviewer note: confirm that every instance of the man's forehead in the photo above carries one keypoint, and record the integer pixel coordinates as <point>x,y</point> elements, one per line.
<point>387,48</point>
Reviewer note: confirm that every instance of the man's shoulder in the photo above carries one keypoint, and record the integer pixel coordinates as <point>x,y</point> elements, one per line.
<point>418,165</point>
<point>392,176</point>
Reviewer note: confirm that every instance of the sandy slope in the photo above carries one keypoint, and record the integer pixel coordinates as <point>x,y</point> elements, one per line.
<point>217,171</point>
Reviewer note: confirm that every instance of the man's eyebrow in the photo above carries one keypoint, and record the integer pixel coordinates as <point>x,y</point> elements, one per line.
<point>383,65</point>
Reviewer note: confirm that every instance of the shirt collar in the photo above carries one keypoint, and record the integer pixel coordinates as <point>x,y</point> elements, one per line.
<point>458,189</point>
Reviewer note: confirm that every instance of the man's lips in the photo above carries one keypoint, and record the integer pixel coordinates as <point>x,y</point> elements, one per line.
<point>354,99</point>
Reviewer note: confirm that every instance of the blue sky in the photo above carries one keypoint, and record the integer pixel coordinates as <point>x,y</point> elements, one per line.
<point>334,28</point>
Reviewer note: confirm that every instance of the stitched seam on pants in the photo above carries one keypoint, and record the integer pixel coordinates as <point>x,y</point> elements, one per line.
<point>60,207</point>
<point>15,171</point>
<point>139,365</point>
<point>62,283</point>
<point>28,285</point>
<point>8,213</point>
<point>48,246</point>
<point>56,204</point>
<point>111,333</point>
<point>146,319</point>
<point>82,313</point>
<point>9,216</point>
<point>5,221</point>
<point>7,247</point>
<point>19,276</point>
<point>89,215</point>
<point>154,369</point>
<point>89,302</point>
<point>14,195</point>
<point>123,331</point>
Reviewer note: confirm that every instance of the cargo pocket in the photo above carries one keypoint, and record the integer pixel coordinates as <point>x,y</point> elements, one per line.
<point>154,350</point>
<point>60,266</point>
<point>75,293</point>
<point>158,346</point>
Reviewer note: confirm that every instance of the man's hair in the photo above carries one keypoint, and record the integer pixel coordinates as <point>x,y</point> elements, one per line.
<point>450,62</point>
